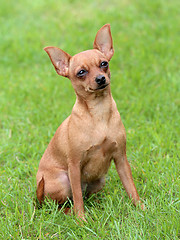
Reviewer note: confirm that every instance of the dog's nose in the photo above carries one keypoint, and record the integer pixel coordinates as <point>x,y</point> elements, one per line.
<point>100,80</point>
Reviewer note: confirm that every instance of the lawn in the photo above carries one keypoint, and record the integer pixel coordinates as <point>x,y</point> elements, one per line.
<point>34,101</point>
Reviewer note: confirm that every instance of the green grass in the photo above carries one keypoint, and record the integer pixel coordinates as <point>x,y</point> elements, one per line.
<point>34,100</point>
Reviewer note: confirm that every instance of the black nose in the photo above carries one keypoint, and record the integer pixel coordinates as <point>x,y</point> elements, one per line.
<point>100,80</point>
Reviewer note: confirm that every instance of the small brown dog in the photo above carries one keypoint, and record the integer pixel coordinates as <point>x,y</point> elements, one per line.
<point>80,153</point>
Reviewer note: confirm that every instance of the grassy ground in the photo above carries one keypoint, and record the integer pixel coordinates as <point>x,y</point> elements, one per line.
<point>34,100</point>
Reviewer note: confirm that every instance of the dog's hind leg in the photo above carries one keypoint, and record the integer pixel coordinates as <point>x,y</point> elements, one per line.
<point>54,185</point>
<point>40,190</point>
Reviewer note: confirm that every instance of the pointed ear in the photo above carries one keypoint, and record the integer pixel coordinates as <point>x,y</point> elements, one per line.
<point>103,41</point>
<point>59,59</point>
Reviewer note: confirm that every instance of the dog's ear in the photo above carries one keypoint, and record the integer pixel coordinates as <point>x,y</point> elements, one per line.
<point>103,41</point>
<point>59,59</point>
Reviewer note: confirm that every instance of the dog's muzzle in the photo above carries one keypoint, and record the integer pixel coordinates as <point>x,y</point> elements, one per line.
<point>100,80</point>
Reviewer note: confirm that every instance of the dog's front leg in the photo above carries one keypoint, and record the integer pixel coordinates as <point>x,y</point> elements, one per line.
<point>124,172</point>
<point>75,181</point>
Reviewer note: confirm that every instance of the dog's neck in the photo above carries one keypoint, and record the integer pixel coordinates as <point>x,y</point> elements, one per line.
<point>97,105</point>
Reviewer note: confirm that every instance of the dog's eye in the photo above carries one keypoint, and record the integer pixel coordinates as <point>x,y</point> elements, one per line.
<point>81,73</point>
<point>104,64</point>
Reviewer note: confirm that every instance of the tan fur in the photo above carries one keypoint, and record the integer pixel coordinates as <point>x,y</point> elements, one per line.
<point>80,153</point>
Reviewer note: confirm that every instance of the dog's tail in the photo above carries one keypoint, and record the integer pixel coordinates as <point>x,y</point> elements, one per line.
<point>40,190</point>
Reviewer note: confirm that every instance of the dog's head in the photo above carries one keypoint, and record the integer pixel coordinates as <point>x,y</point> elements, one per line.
<point>89,70</point>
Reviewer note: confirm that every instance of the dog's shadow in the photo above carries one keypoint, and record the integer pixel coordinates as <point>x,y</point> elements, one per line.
<point>67,207</point>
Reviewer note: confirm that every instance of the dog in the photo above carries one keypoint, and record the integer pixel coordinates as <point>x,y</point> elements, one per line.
<point>80,153</point>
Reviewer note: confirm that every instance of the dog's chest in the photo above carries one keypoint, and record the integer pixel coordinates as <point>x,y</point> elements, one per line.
<point>97,158</point>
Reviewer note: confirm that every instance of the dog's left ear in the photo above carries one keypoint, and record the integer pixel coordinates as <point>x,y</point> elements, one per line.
<point>103,41</point>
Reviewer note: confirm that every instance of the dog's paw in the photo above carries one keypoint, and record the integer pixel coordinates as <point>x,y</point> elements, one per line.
<point>143,207</point>
<point>81,219</point>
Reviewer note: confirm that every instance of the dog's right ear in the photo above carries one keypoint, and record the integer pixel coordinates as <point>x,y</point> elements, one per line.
<point>59,59</point>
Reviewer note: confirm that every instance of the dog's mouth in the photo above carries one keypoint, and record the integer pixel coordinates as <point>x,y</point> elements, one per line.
<point>102,87</point>
<point>99,88</point>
